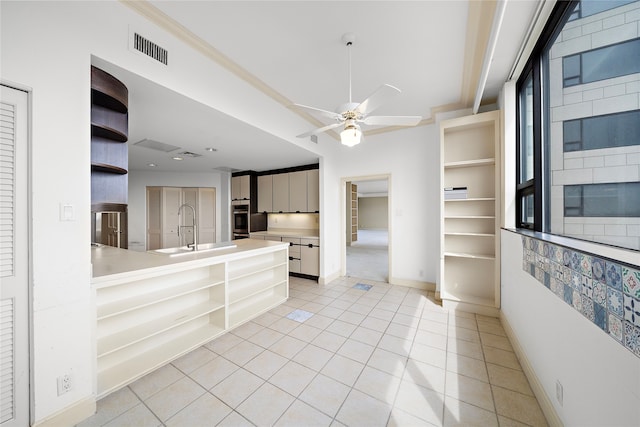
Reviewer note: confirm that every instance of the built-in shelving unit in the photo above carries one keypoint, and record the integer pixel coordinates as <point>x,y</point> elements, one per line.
<point>469,273</point>
<point>148,319</point>
<point>352,213</point>
<point>257,285</point>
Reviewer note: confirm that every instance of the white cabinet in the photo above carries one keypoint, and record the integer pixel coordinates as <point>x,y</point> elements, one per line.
<point>265,193</point>
<point>310,256</point>
<point>296,192</point>
<point>240,187</point>
<point>281,192</point>
<point>163,219</point>
<point>294,253</point>
<point>313,190</point>
<point>469,243</point>
<point>171,201</point>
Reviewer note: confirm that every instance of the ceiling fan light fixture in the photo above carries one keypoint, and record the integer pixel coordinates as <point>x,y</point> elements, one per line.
<point>351,135</point>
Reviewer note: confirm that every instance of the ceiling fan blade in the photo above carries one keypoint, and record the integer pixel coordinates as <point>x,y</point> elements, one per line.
<point>383,94</point>
<point>392,120</point>
<point>325,113</point>
<point>319,130</point>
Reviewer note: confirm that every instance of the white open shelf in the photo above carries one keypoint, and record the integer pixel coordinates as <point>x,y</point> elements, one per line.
<point>469,243</point>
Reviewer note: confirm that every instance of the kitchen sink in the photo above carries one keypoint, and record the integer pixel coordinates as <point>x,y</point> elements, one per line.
<point>202,247</point>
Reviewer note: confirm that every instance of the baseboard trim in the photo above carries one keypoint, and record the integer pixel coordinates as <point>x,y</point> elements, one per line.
<point>425,286</point>
<point>71,415</point>
<point>328,279</point>
<point>543,399</point>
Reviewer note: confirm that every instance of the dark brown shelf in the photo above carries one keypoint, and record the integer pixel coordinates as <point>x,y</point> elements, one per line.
<point>101,167</point>
<point>109,207</point>
<point>108,91</point>
<point>108,133</point>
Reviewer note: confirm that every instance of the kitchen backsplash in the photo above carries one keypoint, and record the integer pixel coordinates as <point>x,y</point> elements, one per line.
<point>304,221</point>
<point>604,291</point>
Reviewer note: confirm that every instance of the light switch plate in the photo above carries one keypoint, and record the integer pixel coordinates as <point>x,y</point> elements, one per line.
<point>67,212</point>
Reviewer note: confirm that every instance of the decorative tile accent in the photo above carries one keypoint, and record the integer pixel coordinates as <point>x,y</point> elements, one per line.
<point>604,291</point>
<point>631,282</point>
<point>614,302</point>
<point>362,286</point>
<point>632,338</point>
<point>598,269</point>
<point>587,308</point>
<point>600,293</point>
<point>615,327</point>
<point>600,316</point>
<point>631,310</point>
<point>614,275</point>
<point>299,315</point>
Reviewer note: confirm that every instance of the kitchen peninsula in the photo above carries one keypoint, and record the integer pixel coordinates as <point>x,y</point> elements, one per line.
<point>152,308</point>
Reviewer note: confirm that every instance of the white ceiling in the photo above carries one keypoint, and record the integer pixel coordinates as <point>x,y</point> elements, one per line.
<point>295,48</point>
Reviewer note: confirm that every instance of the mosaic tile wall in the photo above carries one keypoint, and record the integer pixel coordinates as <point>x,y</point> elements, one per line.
<point>606,292</point>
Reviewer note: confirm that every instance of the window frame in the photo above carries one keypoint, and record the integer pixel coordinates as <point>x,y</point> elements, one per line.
<point>534,67</point>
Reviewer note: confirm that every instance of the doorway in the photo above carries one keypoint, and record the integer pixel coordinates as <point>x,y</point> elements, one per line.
<point>367,252</point>
<point>14,256</point>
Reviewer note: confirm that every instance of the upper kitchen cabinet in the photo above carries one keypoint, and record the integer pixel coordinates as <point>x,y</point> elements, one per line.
<point>292,190</point>
<point>313,190</point>
<point>281,192</point>
<point>298,191</point>
<point>241,187</point>
<point>265,193</point>
<point>470,242</point>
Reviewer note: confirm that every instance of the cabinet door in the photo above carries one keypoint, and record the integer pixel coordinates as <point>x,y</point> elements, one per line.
<point>265,193</point>
<point>310,256</point>
<point>171,199</point>
<point>245,187</point>
<point>154,218</point>
<point>313,190</point>
<point>281,192</point>
<point>206,215</point>
<point>298,191</point>
<point>235,187</point>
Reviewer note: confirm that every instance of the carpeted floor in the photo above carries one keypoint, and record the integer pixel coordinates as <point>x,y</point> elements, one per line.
<point>368,258</point>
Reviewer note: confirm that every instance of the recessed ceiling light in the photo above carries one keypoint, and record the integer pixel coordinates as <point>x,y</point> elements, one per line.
<point>151,165</point>
<point>211,149</point>
<point>177,158</point>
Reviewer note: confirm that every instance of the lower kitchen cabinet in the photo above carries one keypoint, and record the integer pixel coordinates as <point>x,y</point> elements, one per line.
<point>294,253</point>
<point>310,256</point>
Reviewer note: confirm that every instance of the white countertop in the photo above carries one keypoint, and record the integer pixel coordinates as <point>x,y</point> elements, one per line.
<point>111,263</point>
<point>312,233</point>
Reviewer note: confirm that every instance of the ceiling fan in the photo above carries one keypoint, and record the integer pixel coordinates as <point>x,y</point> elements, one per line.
<point>350,114</point>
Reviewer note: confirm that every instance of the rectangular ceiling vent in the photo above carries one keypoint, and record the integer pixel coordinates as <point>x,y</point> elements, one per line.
<point>149,48</point>
<point>189,154</point>
<point>155,145</point>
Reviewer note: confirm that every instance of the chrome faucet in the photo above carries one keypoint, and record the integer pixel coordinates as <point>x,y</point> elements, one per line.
<point>194,245</point>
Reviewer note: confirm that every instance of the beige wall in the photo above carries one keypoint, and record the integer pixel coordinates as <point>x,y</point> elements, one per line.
<point>373,213</point>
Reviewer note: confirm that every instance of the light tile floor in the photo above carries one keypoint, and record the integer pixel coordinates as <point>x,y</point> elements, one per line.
<point>389,355</point>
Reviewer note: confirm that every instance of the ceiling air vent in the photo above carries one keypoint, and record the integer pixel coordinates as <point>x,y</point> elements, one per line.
<point>149,48</point>
<point>189,154</point>
<point>155,145</point>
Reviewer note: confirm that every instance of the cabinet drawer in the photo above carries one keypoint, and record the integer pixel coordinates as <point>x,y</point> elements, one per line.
<point>294,245</point>
<point>294,265</point>
<point>312,242</point>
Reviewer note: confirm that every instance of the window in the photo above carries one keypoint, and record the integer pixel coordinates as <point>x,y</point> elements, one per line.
<point>600,64</point>
<point>578,150</point>
<point>621,199</point>
<point>611,130</point>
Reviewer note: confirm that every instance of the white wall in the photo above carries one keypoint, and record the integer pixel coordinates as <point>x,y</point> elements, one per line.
<point>411,158</point>
<point>600,378</point>
<point>373,213</point>
<point>140,180</point>
<point>47,46</point>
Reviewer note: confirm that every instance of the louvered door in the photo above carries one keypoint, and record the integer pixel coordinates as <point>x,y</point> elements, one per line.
<point>14,332</point>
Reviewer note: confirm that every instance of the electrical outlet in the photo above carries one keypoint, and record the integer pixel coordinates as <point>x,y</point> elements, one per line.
<point>64,384</point>
<point>559,392</point>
